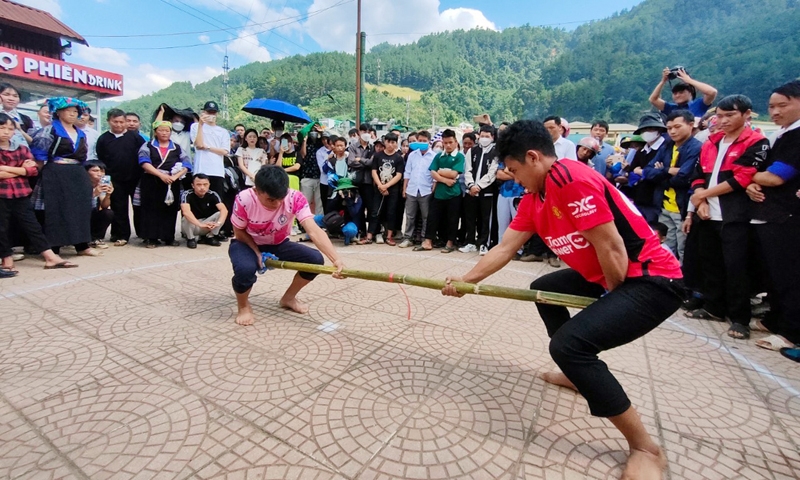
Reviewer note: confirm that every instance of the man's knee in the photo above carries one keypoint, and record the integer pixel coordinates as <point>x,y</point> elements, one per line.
<point>316,258</point>
<point>565,348</point>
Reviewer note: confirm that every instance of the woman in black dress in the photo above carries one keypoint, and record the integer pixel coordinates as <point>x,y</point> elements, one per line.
<point>64,192</point>
<point>164,163</point>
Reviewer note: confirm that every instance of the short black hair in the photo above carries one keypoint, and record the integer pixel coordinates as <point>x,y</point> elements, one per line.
<point>272,180</point>
<point>94,163</point>
<point>789,89</point>
<point>660,228</point>
<point>522,136</point>
<point>742,103</point>
<point>7,86</point>
<point>338,139</point>
<point>277,123</point>
<point>490,129</point>
<point>133,114</point>
<point>471,135</point>
<point>554,118</point>
<point>5,118</point>
<point>390,137</point>
<point>200,176</point>
<point>685,87</point>
<point>352,132</point>
<point>504,124</point>
<point>364,127</point>
<point>448,133</point>
<point>686,115</point>
<point>424,133</point>
<point>238,125</point>
<point>600,123</point>
<point>114,113</point>
<point>372,130</point>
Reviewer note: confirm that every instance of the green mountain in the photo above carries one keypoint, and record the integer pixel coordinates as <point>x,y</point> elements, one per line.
<point>604,69</point>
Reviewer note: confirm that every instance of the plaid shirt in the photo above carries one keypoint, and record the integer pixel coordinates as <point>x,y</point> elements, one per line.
<point>17,187</point>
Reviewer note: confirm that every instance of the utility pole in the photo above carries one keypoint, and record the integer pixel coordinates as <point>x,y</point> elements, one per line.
<point>225,69</point>
<point>358,67</point>
<point>408,110</point>
<point>379,71</point>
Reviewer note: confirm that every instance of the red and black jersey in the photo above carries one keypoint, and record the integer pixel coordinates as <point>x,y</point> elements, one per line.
<point>576,198</point>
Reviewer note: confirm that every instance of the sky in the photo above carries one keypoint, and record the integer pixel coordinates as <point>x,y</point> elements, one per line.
<point>154,43</point>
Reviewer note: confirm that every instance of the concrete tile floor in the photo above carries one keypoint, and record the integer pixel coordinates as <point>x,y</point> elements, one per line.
<point>131,367</point>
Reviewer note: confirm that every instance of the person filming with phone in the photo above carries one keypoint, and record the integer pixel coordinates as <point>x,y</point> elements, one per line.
<point>684,93</point>
<point>102,214</point>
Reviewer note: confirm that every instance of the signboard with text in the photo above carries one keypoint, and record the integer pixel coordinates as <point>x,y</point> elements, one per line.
<point>49,70</point>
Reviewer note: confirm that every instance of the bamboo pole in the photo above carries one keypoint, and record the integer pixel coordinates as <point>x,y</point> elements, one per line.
<point>538,296</point>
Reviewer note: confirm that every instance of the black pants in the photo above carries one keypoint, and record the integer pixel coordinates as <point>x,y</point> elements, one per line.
<point>324,193</point>
<point>724,255</point>
<point>367,197</point>
<point>628,312</point>
<point>443,219</point>
<point>692,258</point>
<point>384,209</point>
<point>245,261</point>
<point>21,210</point>
<point>101,219</point>
<point>779,250</point>
<point>477,216</point>
<point>120,201</point>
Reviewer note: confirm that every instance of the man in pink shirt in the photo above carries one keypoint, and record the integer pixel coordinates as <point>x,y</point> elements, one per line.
<point>262,221</point>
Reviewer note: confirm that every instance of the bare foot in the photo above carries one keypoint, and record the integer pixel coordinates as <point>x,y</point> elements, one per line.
<point>245,316</point>
<point>294,305</point>
<point>645,465</point>
<point>558,378</point>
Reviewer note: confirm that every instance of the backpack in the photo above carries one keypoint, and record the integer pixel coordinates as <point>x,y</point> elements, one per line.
<point>333,222</point>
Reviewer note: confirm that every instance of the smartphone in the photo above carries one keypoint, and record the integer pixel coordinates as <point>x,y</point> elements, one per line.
<point>106,180</point>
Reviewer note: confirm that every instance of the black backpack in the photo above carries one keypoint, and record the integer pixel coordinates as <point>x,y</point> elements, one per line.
<point>333,222</point>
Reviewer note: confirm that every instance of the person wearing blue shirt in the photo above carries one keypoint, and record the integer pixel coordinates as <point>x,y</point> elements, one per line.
<point>684,95</point>
<point>417,186</point>
<point>599,131</point>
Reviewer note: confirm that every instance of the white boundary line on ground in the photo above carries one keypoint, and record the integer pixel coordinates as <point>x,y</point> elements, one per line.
<point>760,369</point>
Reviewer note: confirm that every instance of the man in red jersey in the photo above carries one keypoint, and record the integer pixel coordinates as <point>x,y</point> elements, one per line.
<point>614,256</point>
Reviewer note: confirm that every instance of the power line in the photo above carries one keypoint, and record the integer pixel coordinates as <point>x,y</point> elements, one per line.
<point>271,33</point>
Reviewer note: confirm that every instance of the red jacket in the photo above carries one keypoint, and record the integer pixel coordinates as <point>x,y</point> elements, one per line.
<point>740,164</point>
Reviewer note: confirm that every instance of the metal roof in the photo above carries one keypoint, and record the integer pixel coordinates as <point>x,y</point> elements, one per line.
<point>36,20</point>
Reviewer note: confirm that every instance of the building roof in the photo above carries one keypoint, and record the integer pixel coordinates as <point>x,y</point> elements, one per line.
<point>36,20</point>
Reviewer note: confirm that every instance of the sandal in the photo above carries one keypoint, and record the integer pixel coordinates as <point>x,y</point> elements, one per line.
<point>7,273</point>
<point>10,270</point>
<point>391,242</point>
<point>420,248</point>
<point>120,243</point>
<point>774,343</point>
<point>448,249</point>
<point>60,265</point>
<point>739,331</point>
<point>757,326</point>
<point>365,241</point>
<point>702,314</point>
<point>791,353</point>
<point>90,252</point>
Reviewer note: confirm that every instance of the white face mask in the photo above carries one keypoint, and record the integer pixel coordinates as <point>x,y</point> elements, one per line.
<point>437,150</point>
<point>278,133</point>
<point>485,141</point>
<point>650,137</point>
<point>366,137</point>
<point>177,126</point>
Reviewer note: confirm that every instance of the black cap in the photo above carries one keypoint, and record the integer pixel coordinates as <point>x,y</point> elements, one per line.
<point>211,107</point>
<point>651,120</point>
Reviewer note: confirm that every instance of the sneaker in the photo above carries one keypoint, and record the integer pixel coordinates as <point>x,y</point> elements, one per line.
<point>406,243</point>
<point>222,238</point>
<point>100,244</point>
<point>213,241</point>
<point>379,239</point>
<point>469,248</point>
<point>17,257</point>
<point>191,243</point>
<point>483,250</point>
<point>295,230</point>
<point>531,258</point>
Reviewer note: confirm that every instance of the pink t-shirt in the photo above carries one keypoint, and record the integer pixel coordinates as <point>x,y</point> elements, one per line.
<point>268,227</point>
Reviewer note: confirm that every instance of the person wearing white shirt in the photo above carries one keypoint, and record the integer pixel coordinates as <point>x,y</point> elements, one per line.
<point>564,148</point>
<point>323,154</point>
<point>417,186</point>
<point>211,143</point>
<point>249,157</point>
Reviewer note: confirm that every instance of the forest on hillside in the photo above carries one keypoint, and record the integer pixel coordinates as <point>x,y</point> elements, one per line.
<point>604,69</point>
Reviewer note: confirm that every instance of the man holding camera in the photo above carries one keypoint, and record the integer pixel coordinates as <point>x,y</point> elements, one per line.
<point>684,94</point>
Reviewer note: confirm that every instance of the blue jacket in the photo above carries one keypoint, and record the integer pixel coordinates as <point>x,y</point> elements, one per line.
<point>688,155</point>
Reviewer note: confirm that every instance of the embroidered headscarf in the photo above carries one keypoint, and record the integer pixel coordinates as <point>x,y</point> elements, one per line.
<point>59,103</point>
<point>162,123</point>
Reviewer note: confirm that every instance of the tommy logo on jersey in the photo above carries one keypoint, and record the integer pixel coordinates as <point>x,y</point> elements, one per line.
<point>567,244</point>
<point>583,207</point>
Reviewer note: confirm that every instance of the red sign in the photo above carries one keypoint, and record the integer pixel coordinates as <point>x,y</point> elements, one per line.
<point>43,69</point>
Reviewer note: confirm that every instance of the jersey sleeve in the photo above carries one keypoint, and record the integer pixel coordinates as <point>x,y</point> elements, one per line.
<point>239,218</point>
<point>300,207</point>
<point>524,222</point>
<point>584,201</point>
<point>786,161</point>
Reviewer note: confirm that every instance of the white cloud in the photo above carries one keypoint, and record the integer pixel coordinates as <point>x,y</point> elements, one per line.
<point>204,38</point>
<point>146,78</point>
<point>385,20</point>
<point>247,46</point>
<point>50,6</point>
<point>99,57</point>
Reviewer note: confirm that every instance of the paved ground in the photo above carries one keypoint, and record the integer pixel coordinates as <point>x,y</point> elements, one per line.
<point>131,367</point>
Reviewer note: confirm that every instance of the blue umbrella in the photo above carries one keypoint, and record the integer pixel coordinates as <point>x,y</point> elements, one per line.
<point>276,110</point>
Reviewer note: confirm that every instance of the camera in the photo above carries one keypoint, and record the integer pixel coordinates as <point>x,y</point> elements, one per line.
<point>673,72</point>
